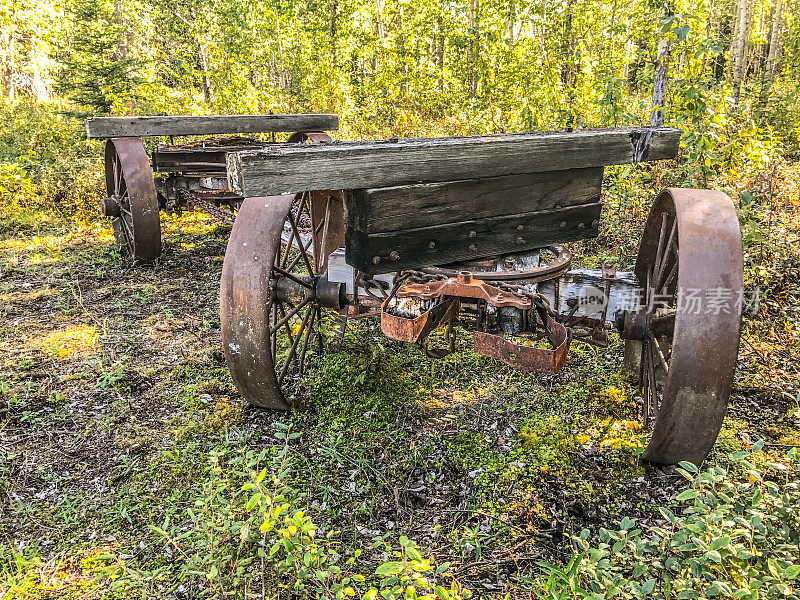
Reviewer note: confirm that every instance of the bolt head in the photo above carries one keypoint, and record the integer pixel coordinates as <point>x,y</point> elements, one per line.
<point>581,225</point>
<point>520,227</point>
<point>376,260</point>
<point>473,234</point>
<point>432,244</point>
<point>472,247</point>
<point>519,240</point>
<point>563,224</point>
<point>395,255</point>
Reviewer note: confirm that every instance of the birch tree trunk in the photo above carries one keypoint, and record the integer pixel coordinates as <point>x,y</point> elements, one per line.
<point>122,46</point>
<point>742,34</point>
<point>775,39</point>
<point>660,71</point>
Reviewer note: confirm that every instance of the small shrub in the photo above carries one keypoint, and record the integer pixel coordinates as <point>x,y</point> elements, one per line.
<point>732,539</point>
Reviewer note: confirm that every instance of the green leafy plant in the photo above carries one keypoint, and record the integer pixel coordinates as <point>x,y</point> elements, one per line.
<point>732,539</point>
<point>256,533</point>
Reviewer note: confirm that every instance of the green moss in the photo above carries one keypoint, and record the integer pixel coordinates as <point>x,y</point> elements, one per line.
<point>548,441</point>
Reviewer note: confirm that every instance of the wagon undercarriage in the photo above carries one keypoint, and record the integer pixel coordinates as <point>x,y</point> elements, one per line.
<point>452,232</point>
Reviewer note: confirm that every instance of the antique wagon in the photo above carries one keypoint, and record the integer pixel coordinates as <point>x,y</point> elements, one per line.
<point>430,233</point>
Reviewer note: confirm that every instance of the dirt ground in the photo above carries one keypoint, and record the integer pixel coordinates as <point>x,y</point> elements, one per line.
<point>114,397</point>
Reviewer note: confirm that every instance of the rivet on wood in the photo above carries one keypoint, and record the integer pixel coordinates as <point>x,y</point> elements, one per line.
<point>581,225</point>
<point>520,240</point>
<point>563,224</point>
<point>395,255</point>
<point>595,223</point>
<point>520,227</point>
<point>432,244</point>
<point>472,234</point>
<point>473,247</point>
<point>376,260</point>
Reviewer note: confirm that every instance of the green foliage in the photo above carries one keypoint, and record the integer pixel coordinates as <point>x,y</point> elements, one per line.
<point>96,72</point>
<point>248,530</point>
<point>45,162</point>
<point>732,539</point>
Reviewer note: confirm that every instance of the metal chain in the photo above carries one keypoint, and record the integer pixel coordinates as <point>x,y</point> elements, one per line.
<point>207,207</point>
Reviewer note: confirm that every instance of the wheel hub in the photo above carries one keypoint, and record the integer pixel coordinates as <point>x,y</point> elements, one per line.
<point>301,289</point>
<point>110,207</point>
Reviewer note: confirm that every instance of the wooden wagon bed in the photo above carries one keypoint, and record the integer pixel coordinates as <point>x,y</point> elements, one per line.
<point>428,201</point>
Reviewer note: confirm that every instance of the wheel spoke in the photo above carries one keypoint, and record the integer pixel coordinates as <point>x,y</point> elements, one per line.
<point>319,248</point>
<point>305,250</point>
<point>286,324</point>
<point>652,380</point>
<point>293,349</point>
<point>319,330</point>
<point>303,253</point>
<point>117,173</point>
<point>670,276</point>
<point>667,252</point>
<point>289,315</point>
<point>645,385</point>
<point>273,338</point>
<point>293,277</point>
<point>660,251</point>
<point>660,354</point>
<point>128,234</point>
<point>305,342</point>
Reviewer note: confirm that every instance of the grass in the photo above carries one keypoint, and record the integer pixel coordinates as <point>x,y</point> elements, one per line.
<point>114,394</point>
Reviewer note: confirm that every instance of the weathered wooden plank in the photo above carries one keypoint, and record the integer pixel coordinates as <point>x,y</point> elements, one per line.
<point>355,165</point>
<point>405,207</point>
<point>375,253</point>
<point>107,127</point>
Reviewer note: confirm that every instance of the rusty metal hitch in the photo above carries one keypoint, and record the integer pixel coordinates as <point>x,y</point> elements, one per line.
<point>464,285</point>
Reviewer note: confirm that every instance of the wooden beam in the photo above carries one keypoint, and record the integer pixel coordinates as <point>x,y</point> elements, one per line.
<point>108,127</point>
<point>290,168</point>
<point>469,240</point>
<point>405,207</point>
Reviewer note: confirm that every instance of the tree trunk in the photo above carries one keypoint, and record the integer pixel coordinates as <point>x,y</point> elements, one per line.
<point>474,46</point>
<point>775,39</point>
<point>204,68</point>
<point>11,64</point>
<point>742,34</point>
<point>122,47</point>
<point>660,71</point>
<point>734,34</point>
<point>512,19</point>
<point>400,50</point>
<point>332,31</point>
<point>441,61</point>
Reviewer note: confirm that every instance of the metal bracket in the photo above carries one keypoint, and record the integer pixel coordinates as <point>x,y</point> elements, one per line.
<point>464,286</point>
<point>526,358</point>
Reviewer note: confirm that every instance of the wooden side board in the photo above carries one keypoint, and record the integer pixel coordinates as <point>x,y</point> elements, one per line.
<point>405,207</point>
<point>108,127</point>
<point>287,168</point>
<point>375,253</point>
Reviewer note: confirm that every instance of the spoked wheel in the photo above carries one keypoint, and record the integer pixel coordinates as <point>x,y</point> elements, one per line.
<point>132,203</point>
<point>687,328</point>
<point>274,289</point>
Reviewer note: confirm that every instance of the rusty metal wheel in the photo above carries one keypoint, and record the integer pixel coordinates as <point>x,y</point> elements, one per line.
<point>687,328</point>
<point>274,289</point>
<point>132,203</point>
